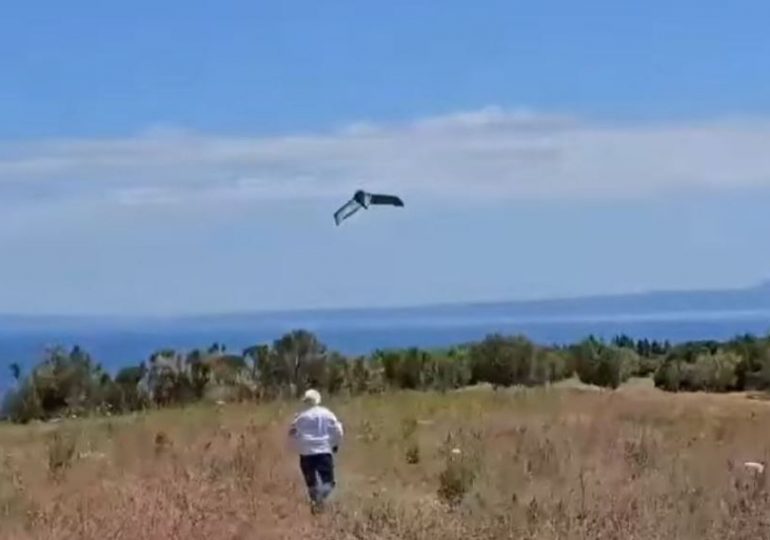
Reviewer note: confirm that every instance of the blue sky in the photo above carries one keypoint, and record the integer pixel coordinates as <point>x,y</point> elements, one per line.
<point>187,157</point>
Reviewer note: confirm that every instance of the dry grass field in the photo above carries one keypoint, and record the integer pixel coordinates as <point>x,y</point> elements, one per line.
<point>546,463</point>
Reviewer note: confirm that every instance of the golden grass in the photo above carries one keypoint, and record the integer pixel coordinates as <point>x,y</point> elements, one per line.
<point>540,464</point>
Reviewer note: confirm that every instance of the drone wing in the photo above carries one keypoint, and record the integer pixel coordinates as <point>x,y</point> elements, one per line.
<point>346,210</point>
<point>391,200</point>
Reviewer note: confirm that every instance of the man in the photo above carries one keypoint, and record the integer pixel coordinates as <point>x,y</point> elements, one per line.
<point>316,434</point>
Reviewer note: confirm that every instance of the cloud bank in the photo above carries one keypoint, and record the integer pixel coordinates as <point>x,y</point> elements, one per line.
<point>486,154</point>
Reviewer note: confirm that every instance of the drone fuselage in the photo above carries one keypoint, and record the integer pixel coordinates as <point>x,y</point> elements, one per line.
<point>361,198</point>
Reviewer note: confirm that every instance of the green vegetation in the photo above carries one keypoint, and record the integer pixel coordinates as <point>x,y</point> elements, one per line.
<point>69,383</point>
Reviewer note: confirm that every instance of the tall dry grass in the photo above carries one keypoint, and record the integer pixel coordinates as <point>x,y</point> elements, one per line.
<point>539,464</point>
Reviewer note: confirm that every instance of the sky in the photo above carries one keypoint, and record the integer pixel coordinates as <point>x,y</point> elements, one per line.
<point>185,157</point>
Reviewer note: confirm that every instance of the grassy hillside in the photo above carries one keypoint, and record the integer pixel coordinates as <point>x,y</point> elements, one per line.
<point>548,462</point>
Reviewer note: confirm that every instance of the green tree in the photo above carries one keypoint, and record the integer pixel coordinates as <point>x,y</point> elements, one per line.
<point>548,366</point>
<point>390,361</point>
<point>15,372</point>
<point>362,377</point>
<point>624,342</point>
<point>753,373</point>
<point>297,350</point>
<point>337,374</point>
<point>167,380</point>
<point>126,396</point>
<point>451,371</point>
<point>715,372</point>
<point>259,355</point>
<point>603,365</point>
<point>502,361</point>
<point>63,383</point>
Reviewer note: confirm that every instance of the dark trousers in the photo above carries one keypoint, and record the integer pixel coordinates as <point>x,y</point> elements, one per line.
<point>318,467</point>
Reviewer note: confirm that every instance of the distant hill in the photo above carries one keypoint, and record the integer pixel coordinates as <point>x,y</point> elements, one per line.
<point>748,299</point>
<point>641,305</point>
<point>670,303</point>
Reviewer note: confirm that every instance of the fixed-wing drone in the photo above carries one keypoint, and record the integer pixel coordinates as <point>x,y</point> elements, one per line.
<point>362,199</point>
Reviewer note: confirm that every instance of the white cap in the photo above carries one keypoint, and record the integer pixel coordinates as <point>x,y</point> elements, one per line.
<point>312,397</point>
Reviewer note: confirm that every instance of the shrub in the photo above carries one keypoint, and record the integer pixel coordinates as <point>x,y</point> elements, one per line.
<point>456,480</point>
<point>337,374</point>
<point>548,366</point>
<point>449,372</point>
<point>413,453</point>
<point>61,451</point>
<point>711,372</point>
<point>604,365</point>
<point>648,366</point>
<point>22,404</point>
<point>753,372</point>
<point>502,361</point>
<point>669,376</point>
<point>715,372</point>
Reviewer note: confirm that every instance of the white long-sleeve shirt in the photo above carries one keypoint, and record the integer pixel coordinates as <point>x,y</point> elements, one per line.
<point>316,431</point>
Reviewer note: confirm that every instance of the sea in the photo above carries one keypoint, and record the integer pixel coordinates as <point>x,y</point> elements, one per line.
<point>119,343</point>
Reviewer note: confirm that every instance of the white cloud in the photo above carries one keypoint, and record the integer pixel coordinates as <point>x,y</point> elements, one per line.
<point>484,154</point>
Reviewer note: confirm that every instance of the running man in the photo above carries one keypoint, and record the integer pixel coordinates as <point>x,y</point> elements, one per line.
<point>317,434</point>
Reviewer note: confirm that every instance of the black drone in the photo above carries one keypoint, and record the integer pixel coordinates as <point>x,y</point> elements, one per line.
<point>362,199</point>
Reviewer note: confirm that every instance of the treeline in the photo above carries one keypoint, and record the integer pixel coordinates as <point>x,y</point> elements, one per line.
<point>70,382</point>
